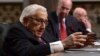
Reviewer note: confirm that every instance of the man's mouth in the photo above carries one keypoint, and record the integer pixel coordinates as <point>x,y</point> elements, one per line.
<point>40,31</point>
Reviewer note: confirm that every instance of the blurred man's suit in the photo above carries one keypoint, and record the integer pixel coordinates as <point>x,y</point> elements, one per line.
<point>70,22</point>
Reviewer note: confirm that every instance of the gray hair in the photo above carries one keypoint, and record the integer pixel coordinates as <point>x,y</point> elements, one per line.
<point>78,10</point>
<point>31,10</point>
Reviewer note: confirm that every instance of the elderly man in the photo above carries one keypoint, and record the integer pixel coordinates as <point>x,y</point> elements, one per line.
<point>84,24</point>
<point>81,15</point>
<point>24,37</point>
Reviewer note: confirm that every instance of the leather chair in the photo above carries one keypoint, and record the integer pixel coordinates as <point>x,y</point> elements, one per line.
<point>3,32</point>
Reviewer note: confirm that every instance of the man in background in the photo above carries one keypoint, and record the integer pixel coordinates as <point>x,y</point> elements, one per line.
<point>61,24</point>
<point>84,25</point>
<point>82,17</point>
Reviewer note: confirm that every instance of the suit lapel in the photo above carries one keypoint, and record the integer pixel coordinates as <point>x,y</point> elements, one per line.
<point>56,23</point>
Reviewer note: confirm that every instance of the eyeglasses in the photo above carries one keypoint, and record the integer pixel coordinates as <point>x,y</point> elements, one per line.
<point>39,21</point>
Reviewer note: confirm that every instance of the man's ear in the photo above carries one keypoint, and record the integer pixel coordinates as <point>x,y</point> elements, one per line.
<point>25,21</point>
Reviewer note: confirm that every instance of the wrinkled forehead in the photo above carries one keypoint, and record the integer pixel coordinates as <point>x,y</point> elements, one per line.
<point>40,14</point>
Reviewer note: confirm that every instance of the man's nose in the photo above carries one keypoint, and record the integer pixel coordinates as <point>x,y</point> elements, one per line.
<point>43,25</point>
<point>64,11</point>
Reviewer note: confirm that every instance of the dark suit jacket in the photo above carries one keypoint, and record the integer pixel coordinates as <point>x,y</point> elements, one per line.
<point>82,28</point>
<point>53,26</point>
<point>20,42</point>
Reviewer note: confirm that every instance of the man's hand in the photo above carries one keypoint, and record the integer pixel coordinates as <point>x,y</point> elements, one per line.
<point>86,22</point>
<point>91,38</point>
<point>74,40</point>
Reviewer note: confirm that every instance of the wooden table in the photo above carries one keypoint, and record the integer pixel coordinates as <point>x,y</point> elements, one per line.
<point>87,51</point>
<point>79,52</point>
<point>76,54</point>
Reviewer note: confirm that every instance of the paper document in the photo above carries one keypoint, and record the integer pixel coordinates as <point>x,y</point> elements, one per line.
<point>96,43</point>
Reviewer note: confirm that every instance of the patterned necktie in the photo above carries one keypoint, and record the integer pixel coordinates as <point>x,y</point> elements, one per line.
<point>63,33</point>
